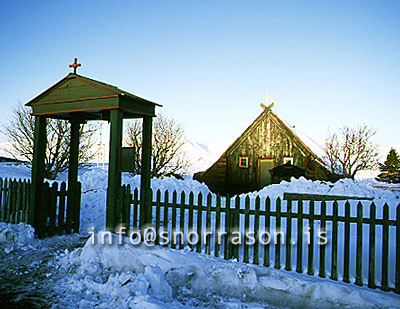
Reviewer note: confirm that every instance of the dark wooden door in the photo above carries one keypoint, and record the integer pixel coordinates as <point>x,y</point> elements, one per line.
<point>264,176</point>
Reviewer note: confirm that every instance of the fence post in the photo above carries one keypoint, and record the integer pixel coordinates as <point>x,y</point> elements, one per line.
<point>61,209</point>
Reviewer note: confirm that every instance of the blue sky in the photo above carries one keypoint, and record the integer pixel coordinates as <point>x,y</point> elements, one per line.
<point>326,64</point>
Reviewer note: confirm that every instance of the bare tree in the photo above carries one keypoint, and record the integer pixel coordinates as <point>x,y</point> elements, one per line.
<point>168,157</point>
<point>20,132</point>
<point>351,151</point>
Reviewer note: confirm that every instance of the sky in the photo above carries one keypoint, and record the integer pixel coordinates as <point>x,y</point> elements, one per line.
<point>326,64</point>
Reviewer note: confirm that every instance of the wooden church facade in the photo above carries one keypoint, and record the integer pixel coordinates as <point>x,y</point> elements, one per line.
<point>267,143</point>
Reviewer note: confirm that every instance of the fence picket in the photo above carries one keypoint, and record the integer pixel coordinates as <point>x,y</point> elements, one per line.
<point>61,208</point>
<point>173,229</point>
<point>299,259</point>
<point>182,221</point>
<point>310,266</point>
<point>385,248</point>
<point>256,257</point>
<point>135,210</point>
<point>217,225</point>
<point>322,246</point>
<point>278,234</point>
<point>199,222</point>
<point>227,246</point>
<point>267,231</point>
<point>158,215</point>
<point>346,263</point>
<point>359,245</point>
<point>334,275</point>
<point>1,200</point>
<point>246,229</point>
<point>208,225</point>
<point>236,227</point>
<point>397,279</point>
<point>190,227</point>
<point>165,218</point>
<point>371,259</point>
<point>288,260</point>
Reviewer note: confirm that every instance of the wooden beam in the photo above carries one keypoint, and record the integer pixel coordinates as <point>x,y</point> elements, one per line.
<point>114,174</point>
<point>38,168</point>
<point>145,183</point>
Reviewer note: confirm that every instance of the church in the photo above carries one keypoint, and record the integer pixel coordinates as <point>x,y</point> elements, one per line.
<point>267,152</point>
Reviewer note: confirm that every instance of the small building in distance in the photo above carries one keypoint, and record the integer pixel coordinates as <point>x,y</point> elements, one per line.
<point>266,144</point>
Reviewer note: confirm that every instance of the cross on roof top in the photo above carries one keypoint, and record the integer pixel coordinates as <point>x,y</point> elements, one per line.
<point>75,65</point>
<point>266,99</point>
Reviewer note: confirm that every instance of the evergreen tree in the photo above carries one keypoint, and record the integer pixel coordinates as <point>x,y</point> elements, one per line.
<point>390,169</point>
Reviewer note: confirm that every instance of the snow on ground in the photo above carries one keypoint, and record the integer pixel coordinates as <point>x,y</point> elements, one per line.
<point>51,273</point>
<point>57,272</point>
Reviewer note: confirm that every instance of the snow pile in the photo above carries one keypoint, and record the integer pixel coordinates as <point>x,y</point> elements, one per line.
<point>126,275</point>
<point>16,236</point>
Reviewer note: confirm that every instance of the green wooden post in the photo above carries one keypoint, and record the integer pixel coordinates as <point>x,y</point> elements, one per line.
<point>278,235</point>
<point>288,260</point>
<point>397,278</point>
<point>346,266</point>
<point>371,264</point>
<point>310,266</point>
<point>359,245</point>
<point>199,221</point>
<point>246,229</point>
<point>299,259</point>
<point>173,230</point>
<point>217,225</point>
<point>334,275</point>
<point>158,215</point>
<point>39,151</point>
<point>166,212</point>
<point>256,256</point>
<point>385,249</point>
<point>114,174</point>
<point>145,177</point>
<point>73,170</point>
<point>322,247</point>
<point>267,227</point>
<point>190,228</point>
<point>182,211</point>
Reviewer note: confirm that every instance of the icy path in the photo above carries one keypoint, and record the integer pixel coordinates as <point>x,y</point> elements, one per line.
<point>27,268</point>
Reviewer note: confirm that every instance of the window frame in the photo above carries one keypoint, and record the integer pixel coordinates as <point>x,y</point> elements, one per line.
<point>247,161</point>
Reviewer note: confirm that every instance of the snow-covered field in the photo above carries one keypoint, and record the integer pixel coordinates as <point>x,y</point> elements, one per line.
<point>68,271</point>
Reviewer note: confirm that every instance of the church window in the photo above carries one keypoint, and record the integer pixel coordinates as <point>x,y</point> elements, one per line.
<point>288,159</point>
<point>244,162</point>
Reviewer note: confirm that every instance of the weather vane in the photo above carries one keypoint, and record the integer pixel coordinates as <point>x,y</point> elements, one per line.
<point>75,65</point>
